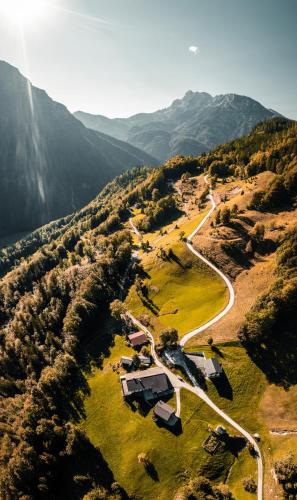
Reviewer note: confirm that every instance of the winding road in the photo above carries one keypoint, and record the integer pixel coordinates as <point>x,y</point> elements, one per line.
<point>177,382</point>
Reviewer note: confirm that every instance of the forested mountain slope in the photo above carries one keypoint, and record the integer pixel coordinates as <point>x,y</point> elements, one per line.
<point>48,305</point>
<point>57,292</point>
<point>269,333</point>
<point>50,164</point>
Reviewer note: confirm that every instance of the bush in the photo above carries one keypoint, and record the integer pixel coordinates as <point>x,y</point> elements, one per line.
<point>168,337</point>
<point>249,485</point>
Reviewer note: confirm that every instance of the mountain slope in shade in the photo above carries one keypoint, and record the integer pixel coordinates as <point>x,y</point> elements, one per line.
<point>50,164</point>
<point>191,125</point>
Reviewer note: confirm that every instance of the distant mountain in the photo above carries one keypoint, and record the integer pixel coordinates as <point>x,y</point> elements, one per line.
<point>50,164</point>
<point>190,126</point>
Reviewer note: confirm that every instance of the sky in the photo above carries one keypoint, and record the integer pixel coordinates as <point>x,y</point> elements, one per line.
<point>121,57</point>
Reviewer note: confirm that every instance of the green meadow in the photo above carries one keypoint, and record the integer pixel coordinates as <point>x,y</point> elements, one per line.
<point>182,292</point>
<point>121,434</point>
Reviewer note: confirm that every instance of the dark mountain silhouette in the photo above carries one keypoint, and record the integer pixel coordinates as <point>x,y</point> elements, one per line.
<point>50,164</point>
<point>190,126</point>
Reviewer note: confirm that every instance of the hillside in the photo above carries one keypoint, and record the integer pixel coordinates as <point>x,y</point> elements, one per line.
<point>50,164</point>
<point>190,126</point>
<point>60,348</point>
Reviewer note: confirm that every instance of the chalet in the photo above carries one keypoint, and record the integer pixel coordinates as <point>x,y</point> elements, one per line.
<point>137,339</point>
<point>212,368</point>
<point>126,362</point>
<point>149,384</point>
<point>162,411</point>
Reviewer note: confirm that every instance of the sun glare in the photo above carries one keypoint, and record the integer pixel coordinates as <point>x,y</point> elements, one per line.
<point>22,12</point>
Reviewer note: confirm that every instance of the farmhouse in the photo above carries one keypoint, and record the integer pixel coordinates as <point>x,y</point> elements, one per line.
<point>137,339</point>
<point>212,367</point>
<point>162,411</point>
<point>149,384</point>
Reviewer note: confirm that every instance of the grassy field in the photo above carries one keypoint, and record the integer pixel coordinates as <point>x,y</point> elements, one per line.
<point>183,292</point>
<point>122,434</point>
<point>243,467</point>
<point>259,407</point>
<point>282,416</point>
<point>243,387</point>
<point>239,396</point>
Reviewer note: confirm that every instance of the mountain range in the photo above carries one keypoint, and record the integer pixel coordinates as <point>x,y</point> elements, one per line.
<point>190,126</point>
<point>50,164</point>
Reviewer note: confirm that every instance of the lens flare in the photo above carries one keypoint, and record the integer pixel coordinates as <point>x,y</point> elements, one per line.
<point>24,12</point>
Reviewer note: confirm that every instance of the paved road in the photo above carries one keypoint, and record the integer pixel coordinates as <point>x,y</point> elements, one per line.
<point>230,304</point>
<point>179,383</point>
<point>178,405</point>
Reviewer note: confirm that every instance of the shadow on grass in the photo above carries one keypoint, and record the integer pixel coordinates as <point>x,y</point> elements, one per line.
<point>141,406</point>
<point>171,256</point>
<point>141,272</point>
<point>82,470</point>
<point>152,472</point>
<point>223,386</point>
<point>149,304</point>
<point>215,349</point>
<point>235,444</point>
<point>176,429</point>
<point>245,219</point>
<point>277,358</point>
<point>236,252</point>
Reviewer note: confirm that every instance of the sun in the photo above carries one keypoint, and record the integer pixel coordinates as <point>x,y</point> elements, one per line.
<point>22,12</point>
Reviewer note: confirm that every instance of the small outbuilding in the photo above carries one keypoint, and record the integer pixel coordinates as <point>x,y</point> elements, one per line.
<point>162,411</point>
<point>145,360</point>
<point>137,339</point>
<point>221,431</point>
<point>126,362</point>
<point>212,368</point>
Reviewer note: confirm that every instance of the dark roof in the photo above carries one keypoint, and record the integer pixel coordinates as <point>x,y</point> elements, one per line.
<point>153,379</point>
<point>163,411</point>
<point>137,338</point>
<point>212,367</point>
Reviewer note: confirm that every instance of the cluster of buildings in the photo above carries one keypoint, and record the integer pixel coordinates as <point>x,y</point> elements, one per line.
<point>137,340</point>
<point>149,385</point>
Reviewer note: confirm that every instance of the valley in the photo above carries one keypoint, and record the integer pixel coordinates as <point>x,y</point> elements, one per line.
<point>148,250</point>
<point>240,372</point>
<point>138,229</point>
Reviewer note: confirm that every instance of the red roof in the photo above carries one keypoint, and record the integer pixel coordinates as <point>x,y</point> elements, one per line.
<point>137,338</point>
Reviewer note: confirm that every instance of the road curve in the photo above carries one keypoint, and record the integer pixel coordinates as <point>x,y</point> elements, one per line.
<point>179,383</point>
<point>231,301</point>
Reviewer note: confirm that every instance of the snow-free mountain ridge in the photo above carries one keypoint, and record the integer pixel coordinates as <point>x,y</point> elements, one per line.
<point>189,126</point>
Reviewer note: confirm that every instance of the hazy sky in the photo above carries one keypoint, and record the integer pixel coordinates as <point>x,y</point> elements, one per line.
<point>139,55</point>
